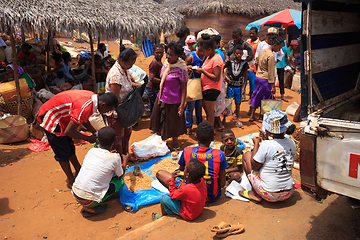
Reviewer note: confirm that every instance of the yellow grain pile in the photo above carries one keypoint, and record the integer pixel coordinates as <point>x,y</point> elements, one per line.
<point>140,182</point>
<point>166,164</point>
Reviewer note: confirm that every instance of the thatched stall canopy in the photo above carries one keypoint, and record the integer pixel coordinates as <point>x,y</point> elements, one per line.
<point>224,15</point>
<point>112,18</point>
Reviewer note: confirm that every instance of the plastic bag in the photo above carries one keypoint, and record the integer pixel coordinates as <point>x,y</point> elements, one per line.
<point>152,146</point>
<point>228,105</point>
<point>139,198</point>
<point>291,109</point>
<point>38,146</point>
<point>97,121</point>
<point>131,110</point>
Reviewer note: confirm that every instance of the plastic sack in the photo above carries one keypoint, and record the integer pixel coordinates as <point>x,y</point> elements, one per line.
<point>152,146</point>
<point>97,121</point>
<point>139,198</point>
<point>291,109</point>
<point>228,105</point>
<point>38,146</point>
<point>131,109</point>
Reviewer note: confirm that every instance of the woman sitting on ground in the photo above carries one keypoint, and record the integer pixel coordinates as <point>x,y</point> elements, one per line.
<point>167,118</point>
<point>22,74</point>
<point>26,57</point>
<point>65,67</point>
<point>269,166</point>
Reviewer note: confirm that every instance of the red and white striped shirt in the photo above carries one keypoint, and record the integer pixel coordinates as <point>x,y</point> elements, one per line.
<point>74,105</point>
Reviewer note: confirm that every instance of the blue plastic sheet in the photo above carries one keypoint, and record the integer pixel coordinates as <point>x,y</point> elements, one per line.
<point>141,197</point>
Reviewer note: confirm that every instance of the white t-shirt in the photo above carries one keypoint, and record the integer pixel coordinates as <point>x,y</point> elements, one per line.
<point>101,55</point>
<point>95,174</point>
<point>77,87</point>
<point>277,157</point>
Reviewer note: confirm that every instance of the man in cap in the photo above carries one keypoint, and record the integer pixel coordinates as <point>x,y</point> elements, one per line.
<point>190,43</point>
<point>237,40</point>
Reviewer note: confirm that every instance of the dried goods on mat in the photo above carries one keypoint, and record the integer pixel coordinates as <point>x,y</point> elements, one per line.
<point>140,182</point>
<point>167,164</point>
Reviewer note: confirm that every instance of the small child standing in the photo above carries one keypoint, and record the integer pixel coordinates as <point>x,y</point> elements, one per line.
<point>236,76</point>
<point>187,200</point>
<point>95,182</point>
<point>233,155</point>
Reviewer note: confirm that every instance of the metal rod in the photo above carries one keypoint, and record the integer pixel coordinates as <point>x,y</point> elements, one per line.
<point>310,85</point>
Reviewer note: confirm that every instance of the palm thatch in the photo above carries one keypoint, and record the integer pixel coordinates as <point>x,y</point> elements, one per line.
<point>249,8</point>
<point>107,17</point>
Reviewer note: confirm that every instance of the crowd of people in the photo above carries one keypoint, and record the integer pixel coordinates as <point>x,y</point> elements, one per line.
<point>221,73</point>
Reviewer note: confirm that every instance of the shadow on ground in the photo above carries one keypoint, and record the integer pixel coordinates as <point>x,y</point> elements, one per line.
<point>10,153</point>
<point>338,221</point>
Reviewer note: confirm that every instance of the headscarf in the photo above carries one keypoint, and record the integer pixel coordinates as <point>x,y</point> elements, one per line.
<point>20,69</point>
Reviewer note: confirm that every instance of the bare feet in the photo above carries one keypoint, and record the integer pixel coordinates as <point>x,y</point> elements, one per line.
<point>250,195</point>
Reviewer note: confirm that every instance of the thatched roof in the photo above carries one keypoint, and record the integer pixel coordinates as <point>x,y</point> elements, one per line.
<point>250,8</point>
<point>106,17</point>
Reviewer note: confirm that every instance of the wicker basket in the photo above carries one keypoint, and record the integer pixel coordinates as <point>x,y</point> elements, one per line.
<point>12,107</point>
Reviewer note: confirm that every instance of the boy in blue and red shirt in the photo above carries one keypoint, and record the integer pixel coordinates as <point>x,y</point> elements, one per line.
<point>213,159</point>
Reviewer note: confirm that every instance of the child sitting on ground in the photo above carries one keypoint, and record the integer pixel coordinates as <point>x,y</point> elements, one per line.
<point>95,182</point>
<point>187,200</point>
<point>60,79</point>
<point>233,155</point>
<point>213,159</point>
<point>236,77</point>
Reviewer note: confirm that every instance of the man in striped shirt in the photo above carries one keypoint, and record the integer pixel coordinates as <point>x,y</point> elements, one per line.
<point>63,114</point>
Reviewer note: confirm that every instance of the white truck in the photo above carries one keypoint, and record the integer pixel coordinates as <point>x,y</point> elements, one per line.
<point>330,97</point>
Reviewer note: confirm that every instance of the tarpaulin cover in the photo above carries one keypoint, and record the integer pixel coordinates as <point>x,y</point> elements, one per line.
<point>141,197</point>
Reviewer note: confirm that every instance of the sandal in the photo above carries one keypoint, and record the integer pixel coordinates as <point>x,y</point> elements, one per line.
<point>239,124</point>
<point>188,131</point>
<point>99,209</point>
<point>245,194</point>
<point>221,227</point>
<point>284,99</point>
<point>155,216</point>
<point>233,230</point>
<point>177,149</point>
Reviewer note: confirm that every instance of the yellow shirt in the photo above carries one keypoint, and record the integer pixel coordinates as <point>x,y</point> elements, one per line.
<point>265,65</point>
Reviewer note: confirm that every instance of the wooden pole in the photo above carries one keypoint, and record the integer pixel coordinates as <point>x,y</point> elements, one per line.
<point>98,41</point>
<point>16,74</point>
<point>22,35</point>
<point>48,53</point>
<point>92,60</point>
<point>50,40</point>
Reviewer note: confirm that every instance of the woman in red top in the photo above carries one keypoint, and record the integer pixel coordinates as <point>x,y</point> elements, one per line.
<point>26,57</point>
<point>211,72</point>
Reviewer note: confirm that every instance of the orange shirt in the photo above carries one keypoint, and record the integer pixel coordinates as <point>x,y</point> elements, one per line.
<point>254,45</point>
<point>208,66</point>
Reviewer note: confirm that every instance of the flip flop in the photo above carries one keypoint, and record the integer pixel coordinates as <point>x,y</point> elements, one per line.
<point>236,229</point>
<point>221,227</point>
<point>239,124</point>
<point>246,195</point>
<point>155,216</point>
<point>99,209</point>
<point>284,99</point>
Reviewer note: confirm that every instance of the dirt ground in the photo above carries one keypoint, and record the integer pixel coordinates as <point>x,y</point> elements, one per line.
<point>35,203</point>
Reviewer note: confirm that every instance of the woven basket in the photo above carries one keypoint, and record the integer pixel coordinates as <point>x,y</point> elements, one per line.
<point>12,107</point>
